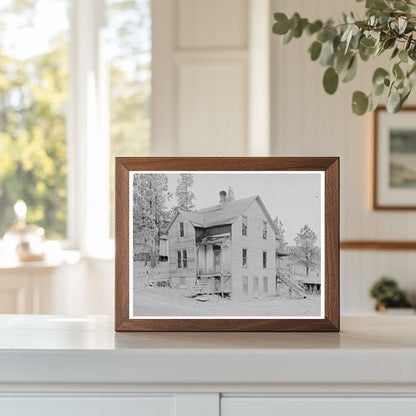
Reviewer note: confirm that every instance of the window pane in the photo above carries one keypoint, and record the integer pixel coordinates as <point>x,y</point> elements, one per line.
<point>33,101</point>
<point>129,51</point>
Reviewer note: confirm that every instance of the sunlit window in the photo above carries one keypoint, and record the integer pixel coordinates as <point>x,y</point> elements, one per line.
<point>129,45</point>
<point>33,103</point>
<point>40,75</point>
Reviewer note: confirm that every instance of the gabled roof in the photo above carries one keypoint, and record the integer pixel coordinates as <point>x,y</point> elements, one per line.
<point>222,214</point>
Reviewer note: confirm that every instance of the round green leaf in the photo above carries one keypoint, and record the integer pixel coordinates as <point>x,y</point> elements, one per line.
<point>379,75</point>
<point>314,27</point>
<point>330,80</point>
<point>359,103</point>
<point>315,50</point>
<point>351,71</point>
<point>281,27</point>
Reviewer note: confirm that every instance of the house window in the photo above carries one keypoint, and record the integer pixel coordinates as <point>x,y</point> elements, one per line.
<point>181,230</point>
<point>245,285</point>
<point>182,259</point>
<point>244,226</point>
<point>185,259</point>
<point>265,230</point>
<point>265,284</point>
<point>255,285</point>
<point>244,257</point>
<point>179,259</point>
<point>264,259</point>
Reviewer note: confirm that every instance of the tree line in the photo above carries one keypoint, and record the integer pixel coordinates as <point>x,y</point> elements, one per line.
<point>151,212</point>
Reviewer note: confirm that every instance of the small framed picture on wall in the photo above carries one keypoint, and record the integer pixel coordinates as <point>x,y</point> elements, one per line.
<point>394,179</point>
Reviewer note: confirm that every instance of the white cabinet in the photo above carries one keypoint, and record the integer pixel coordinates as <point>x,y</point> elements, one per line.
<point>51,365</point>
<point>87,406</point>
<point>272,406</point>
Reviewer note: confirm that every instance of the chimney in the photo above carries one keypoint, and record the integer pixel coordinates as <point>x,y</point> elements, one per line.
<point>223,197</point>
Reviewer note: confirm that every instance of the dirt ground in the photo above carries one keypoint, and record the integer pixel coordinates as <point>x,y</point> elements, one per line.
<point>166,301</point>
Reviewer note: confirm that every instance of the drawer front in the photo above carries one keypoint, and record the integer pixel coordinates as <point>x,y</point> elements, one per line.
<point>87,406</point>
<point>273,406</point>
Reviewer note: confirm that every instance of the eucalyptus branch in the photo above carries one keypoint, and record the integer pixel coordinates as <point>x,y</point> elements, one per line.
<point>389,25</point>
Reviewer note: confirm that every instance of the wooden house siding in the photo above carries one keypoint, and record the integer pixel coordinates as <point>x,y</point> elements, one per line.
<point>255,245</point>
<point>176,243</point>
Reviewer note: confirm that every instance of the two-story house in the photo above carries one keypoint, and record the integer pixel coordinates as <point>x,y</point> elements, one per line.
<point>230,248</point>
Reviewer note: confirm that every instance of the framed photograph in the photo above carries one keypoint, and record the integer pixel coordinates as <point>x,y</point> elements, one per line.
<point>395,159</point>
<point>227,244</point>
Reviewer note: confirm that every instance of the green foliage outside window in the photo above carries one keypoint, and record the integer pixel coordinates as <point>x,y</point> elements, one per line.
<point>33,100</point>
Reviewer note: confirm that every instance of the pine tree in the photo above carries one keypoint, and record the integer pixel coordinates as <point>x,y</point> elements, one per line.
<point>150,219</point>
<point>280,232</point>
<point>305,241</point>
<point>183,192</point>
<point>230,195</point>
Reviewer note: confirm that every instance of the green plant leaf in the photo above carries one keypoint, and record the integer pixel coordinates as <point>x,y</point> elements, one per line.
<point>379,75</point>
<point>315,50</point>
<point>378,89</point>
<point>389,43</point>
<point>314,27</point>
<point>327,53</point>
<point>408,42</point>
<point>393,101</point>
<point>359,103</point>
<point>397,71</point>
<point>395,52</point>
<point>330,80</point>
<point>351,71</point>
<point>281,27</point>
<point>374,102</point>
<point>288,37</point>
<point>376,4</point>
<point>403,56</point>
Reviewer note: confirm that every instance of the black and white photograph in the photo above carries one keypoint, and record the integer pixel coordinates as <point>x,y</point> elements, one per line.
<point>226,244</point>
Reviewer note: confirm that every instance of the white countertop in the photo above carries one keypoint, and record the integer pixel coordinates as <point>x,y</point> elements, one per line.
<point>52,349</point>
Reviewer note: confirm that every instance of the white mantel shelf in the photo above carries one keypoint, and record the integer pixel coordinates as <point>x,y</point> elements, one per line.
<point>372,351</point>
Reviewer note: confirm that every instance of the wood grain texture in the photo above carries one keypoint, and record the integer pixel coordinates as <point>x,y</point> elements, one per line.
<point>378,245</point>
<point>376,204</point>
<point>330,165</point>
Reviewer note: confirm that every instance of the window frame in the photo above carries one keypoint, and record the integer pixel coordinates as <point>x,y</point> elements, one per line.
<point>264,259</point>
<point>179,259</point>
<point>244,258</point>
<point>264,230</point>
<point>184,259</point>
<point>244,225</point>
<point>265,284</point>
<point>181,229</point>
<point>244,286</point>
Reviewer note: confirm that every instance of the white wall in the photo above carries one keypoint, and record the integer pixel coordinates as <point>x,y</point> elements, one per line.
<point>203,84</point>
<point>308,122</point>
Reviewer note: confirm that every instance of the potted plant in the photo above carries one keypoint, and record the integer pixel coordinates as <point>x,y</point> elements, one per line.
<point>387,294</point>
<point>389,27</point>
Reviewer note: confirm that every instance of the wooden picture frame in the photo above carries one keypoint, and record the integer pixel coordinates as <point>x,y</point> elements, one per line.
<point>394,184</point>
<point>128,169</point>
